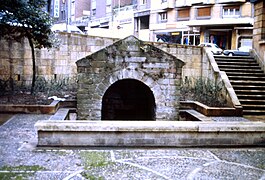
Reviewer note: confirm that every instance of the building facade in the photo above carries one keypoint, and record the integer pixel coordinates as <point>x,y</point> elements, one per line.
<point>229,24</point>
<point>259,32</point>
<point>69,13</point>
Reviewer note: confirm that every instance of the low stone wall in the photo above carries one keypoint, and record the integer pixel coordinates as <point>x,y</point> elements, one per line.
<point>150,133</point>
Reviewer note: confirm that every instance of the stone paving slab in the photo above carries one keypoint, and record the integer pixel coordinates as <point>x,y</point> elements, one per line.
<point>20,158</point>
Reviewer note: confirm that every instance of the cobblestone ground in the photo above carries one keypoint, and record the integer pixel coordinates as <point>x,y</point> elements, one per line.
<point>21,159</point>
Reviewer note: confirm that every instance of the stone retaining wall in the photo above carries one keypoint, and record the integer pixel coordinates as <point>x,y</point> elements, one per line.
<point>16,62</point>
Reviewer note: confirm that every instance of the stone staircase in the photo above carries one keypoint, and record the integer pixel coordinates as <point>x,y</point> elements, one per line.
<point>248,81</point>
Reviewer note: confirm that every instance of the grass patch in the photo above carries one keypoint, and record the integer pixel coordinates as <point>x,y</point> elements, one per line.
<point>16,172</point>
<point>90,177</point>
<point>15,176</point>
<point>22,168</point>
<point>94,159</point>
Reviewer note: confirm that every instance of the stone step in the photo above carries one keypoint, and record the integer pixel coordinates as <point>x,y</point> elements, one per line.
<point>220,61</point>
<point>247,92</point>
<point>254,112</point>
<point>249,87</point>
<point>253,74</point>
<point>249,96</point>
<point>247,78</point>
<point>234,57</point>
<point>252,101</point>
<point>245,70</point>
<point>242,67</point>
<point>247,83</point>
<point>253,107</point>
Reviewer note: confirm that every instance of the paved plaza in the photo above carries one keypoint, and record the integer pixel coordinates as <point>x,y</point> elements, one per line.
<point>21,159</point>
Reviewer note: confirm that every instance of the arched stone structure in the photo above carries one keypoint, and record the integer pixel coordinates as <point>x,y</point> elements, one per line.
<point>129,58</point>
<point>128,99</point>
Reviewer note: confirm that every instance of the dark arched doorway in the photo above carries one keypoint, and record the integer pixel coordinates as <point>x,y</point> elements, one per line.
<point>128,99</point>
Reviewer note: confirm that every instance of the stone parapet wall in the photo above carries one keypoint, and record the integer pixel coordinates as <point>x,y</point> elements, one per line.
<point>16,59</point>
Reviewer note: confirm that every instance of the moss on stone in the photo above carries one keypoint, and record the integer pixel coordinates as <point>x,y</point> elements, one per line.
<point>94,159</point>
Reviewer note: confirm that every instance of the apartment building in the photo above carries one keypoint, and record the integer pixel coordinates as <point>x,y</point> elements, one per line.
<point>111,18</point>
<point>69,13</point>
<point>229,24</point>
<point>142,19</point>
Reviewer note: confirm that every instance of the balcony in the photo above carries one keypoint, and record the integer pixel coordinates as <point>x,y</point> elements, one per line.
<point>183,3</point>
<point>168,4</point>
<point>202,2</point>
<point>83,21</point>
<point>230,1</point>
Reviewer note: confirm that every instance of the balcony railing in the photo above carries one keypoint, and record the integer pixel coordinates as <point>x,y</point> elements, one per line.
<point>81,21</point>
<point>168,4</point>
<point>229,1</point>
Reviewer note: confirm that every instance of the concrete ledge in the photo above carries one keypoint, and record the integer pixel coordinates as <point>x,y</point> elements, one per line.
<point>209,111</point>
<point>37,109</point>
<point>150,133</point>
<point>33,109</point>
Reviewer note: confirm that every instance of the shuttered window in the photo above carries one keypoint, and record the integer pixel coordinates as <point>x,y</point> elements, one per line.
<point>183,14</point>
<point>204,12</point>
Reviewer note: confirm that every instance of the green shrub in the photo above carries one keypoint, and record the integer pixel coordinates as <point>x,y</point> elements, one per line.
<point>203,90</point>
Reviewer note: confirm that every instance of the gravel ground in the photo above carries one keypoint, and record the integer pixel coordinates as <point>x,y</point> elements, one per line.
<point>21,159</point>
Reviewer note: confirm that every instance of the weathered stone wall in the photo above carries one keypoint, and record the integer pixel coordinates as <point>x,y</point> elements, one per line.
<point>16,60</point>
<point>129,59</point>
<point>259,33</point>
<point>191,55</point>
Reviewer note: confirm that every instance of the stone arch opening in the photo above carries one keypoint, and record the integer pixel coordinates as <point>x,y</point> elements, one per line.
<point>128,99</point>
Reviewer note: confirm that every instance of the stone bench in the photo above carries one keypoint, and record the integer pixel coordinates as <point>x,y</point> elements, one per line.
<point>150,133</point>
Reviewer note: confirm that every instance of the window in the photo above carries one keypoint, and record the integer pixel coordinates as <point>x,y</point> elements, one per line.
<point>108,2</point>
<point>93,4</point>
<point>93,12</point>
<point>204,12</point>
<point>163,1</point>
<point>144,22</point>
<point>108,9</point>
<point>183,14</point>
<point>142,1</point>
<point>63,16</point>
<point>73,8</point>
<point>231,11</point>
<point>163,17</point>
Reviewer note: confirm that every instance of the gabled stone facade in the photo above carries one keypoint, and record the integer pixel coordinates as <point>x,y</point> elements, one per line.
<point>128,78</point>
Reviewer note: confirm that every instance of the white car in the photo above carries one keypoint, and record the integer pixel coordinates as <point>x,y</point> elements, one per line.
<point>214,48</point>
<point>242,51</point>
